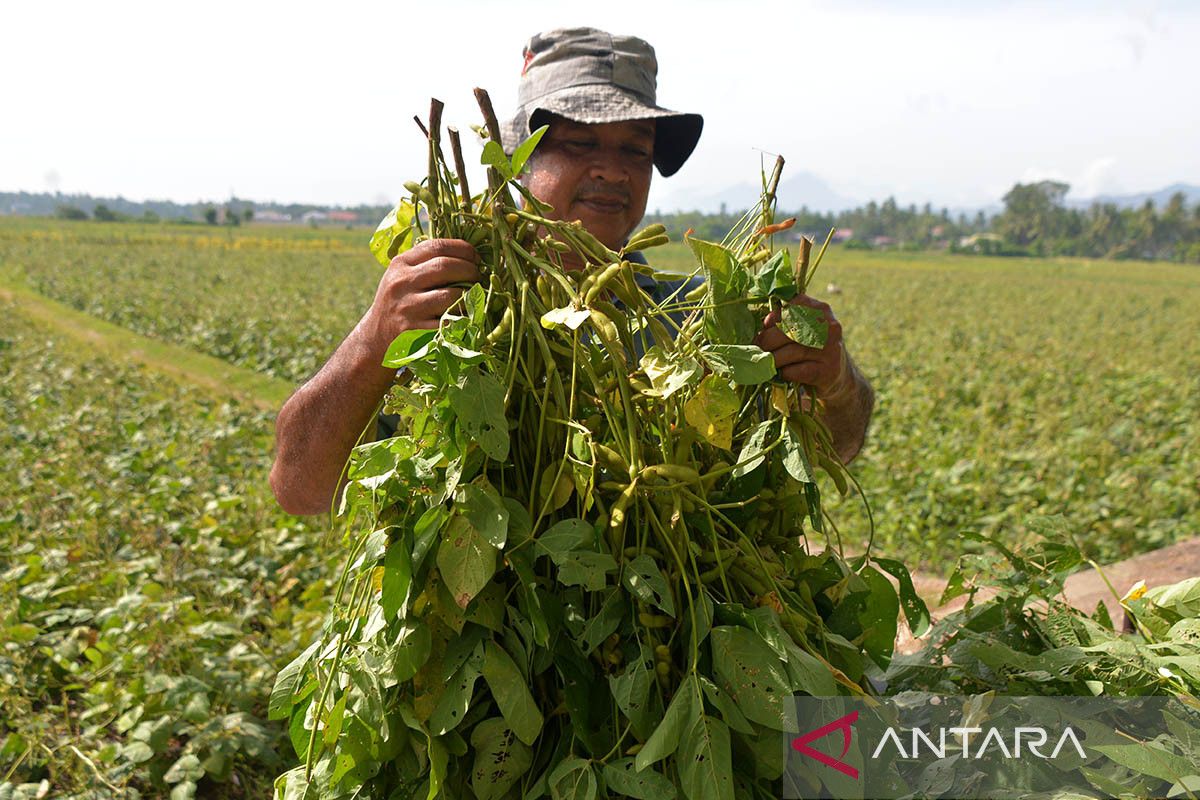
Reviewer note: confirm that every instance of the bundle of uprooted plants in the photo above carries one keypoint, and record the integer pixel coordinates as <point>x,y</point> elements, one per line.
<point>593,560</point>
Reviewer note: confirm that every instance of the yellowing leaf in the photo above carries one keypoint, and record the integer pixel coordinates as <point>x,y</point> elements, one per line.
<point>668,372</point>
<point>712,410</point>
<point>1135,592</point>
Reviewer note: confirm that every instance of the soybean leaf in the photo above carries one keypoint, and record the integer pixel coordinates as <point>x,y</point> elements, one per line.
<point>187,768</point>
<point>1147,758</point>
<point>727,321</point>
<point>712,411</point>
<point>668,372</point>
<point>475,301</point>
<point>604,623</point>
<point>879,617</point>
<point>394,233</point>
<point>521,563</point>
<point>520,526</point>
<point>565,536</point>
<point>485,510</point>
<point>455,700</point>
<point>752,452</point>
<point>493,156</point>
<point>585,568</point>
<point>1183,598</point>
<point>397,577</point>
<point>623,777</point>
<point>776,278</point>
<point>487,609</point>
<point>681,712</point>
<point>747,668</point>
<point>465,559</point>
<point>573,779</point>
<point>280,704</point>
<point>511,691</point>
<point>646,581</point>
<point>556,486</point>
<point>409,346</point>
<point>915,610</point>
<point>500,759</point>
<point>807,674</point>
<point>795,459</point>
<point>634,693</point>
<point>705,761</point>
<point>525,150</point>
<point>297,733</point>
<point>333,721</point>
<point>726,707</point>
<point>414,642</point>
<point>804,325</point>
<point>744,364</point>
<point>478,400</point>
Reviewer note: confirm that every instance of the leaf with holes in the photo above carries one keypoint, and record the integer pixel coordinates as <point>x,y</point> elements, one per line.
<point>751,672</point>
<point>646,581</point>
<point>501,758</point>
<point>705,761</point>
<point>623,777</point>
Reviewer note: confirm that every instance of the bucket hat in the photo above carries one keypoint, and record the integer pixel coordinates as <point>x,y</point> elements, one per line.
<point>590,76</point>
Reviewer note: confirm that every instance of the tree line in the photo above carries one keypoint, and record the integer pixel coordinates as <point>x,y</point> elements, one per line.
<point>1035,222</point>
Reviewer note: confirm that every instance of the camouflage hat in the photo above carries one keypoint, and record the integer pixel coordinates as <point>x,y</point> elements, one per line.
<point>590,76</point>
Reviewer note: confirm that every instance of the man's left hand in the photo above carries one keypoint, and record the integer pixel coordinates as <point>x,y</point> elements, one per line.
<point>825,369</point>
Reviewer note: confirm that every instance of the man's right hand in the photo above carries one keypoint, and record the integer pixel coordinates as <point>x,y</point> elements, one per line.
<point>417,288</point>
<point>320,424</point>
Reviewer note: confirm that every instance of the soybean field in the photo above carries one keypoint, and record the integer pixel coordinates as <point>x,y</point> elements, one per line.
<point>150,588</point>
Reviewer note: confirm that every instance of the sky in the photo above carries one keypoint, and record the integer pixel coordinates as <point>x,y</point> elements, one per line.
<point>947,102</point>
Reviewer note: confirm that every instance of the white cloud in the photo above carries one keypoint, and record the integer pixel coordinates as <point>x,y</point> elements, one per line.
<point>1097,178</point>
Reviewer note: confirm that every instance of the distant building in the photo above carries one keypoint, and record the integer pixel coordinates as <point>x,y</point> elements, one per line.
<point>343,216</point>
<point>271,216</point>
<point>843,235</point>
<point>883,241</point>
<point>314,216</point>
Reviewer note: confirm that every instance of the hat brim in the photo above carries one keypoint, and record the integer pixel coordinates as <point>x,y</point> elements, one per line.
<point>676,133</point>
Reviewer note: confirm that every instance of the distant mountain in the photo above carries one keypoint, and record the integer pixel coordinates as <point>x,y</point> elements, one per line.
<point>1159,197</point>
<point>801,189</point>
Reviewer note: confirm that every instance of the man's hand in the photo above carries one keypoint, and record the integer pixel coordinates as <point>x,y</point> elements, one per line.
<point>845,393</point>
<point>320,424</point>
<point>417,288</point>
<point>824,368</point>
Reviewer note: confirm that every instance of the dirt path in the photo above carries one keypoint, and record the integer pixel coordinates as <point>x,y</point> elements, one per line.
<point>212,375</point>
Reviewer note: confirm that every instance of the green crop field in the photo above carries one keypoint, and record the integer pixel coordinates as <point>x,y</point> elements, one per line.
<point>149,587</point>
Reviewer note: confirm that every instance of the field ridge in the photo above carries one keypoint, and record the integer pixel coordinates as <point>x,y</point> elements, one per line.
<point>211,374</point>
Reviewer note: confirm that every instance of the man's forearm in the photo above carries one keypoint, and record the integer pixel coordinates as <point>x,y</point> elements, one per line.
<point>848,412</point>
<point>320,424</point>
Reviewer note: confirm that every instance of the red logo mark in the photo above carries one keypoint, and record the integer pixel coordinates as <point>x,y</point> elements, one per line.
<point>528,58</point>
<point>800,743</point>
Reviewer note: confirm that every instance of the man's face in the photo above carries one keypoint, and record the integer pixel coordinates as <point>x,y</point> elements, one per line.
<point>599,174</point>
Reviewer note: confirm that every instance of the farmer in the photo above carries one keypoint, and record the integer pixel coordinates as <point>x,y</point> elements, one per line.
<point>607,133</point>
